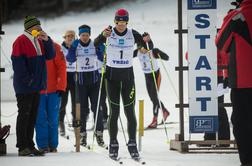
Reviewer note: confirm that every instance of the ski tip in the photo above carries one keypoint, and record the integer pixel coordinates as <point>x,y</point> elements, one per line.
<point>143,163</point>
<point>120,162</point>
<point>67,137</point>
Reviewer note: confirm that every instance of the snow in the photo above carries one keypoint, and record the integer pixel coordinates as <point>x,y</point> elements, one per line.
<point>159,18</point>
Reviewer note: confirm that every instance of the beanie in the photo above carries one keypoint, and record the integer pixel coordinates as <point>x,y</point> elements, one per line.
<point>122,15</point>
<point>84,28</point>
<point>31,21</point>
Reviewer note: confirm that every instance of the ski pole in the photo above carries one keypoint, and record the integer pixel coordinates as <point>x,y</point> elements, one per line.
<point>169,78</point>
<point>100,88</point>
<point>155,82</point>
<point>77,110</point>
<point>124,135</point>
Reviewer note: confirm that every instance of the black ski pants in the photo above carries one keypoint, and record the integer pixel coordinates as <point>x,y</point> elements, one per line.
<point>152,90</point>
<point>126,89</point>
<point>64,100</point>
<point>27,113</point>
<point>89,92</point>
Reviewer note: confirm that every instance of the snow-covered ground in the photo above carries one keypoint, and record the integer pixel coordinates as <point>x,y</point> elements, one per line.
<point>159,18</point>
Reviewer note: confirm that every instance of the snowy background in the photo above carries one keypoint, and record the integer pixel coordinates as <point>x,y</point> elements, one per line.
<point>159,18</point>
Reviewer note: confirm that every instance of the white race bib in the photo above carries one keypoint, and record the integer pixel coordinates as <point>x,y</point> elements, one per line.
<point>86,58</point>
<point>71,66</point>
<point>144,60</point>
<point>120,50</point>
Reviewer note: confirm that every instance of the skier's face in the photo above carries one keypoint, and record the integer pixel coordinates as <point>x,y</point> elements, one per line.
<point>84,37</point>
<point>69,39</point>
<point>121,25</point>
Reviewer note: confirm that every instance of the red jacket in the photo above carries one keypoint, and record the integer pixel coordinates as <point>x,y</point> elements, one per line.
<point>235,38</point>
<point>56,72</point>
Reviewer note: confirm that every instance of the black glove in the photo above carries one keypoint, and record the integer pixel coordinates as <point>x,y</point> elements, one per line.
<point>145,34</point>
<point>225,83</point>
<point>60,92</point>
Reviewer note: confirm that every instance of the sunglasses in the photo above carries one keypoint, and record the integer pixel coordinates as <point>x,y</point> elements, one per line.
<point>121,22</point>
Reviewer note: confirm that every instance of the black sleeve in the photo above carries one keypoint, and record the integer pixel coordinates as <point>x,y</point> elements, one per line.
<point>135,53</point>
<point>157,53</point>
<point>238,25</point>
<point>99,40</point>
<point>139,39</point>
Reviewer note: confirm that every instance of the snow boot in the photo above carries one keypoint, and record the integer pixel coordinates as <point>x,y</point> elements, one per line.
<point>83,140</point>
<point>132,148</point>
<point>153,123</point>
<point>53,150</point>
<point>113,149</point>
<point>99,138</point>
<point>24,152</point>
<point>62,128</point>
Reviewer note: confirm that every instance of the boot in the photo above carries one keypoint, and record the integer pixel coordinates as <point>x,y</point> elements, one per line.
<point>166,113</point>
<point>99,138</point>
<point>62,128</point>
<point>132,148</point>
<point>113,149</point>
<point>83,140</point>
<point>53,150</point>
<point>153,123</point>
<point>24,152</point>
<point>37,152</point>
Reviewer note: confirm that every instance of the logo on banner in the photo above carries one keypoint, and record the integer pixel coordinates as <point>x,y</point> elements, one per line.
<point>202,4</point>
<point>203,124</point>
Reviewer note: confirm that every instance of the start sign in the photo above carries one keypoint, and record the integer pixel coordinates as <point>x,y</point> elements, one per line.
<point>202,59</point>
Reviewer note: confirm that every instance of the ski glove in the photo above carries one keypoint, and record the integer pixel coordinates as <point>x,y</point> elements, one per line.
<point>59,93</point>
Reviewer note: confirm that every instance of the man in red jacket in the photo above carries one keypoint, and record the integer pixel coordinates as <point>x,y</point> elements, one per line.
<point>235,38</point>
<point>28,57</point>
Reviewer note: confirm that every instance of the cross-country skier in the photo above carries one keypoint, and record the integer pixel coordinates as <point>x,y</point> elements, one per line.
<point>149,66</point>
<point>69,37</point>
<point>120,43</point>
<point>83,52</point>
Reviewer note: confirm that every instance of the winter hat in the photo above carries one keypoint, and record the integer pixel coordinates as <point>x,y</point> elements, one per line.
<point>31,21</point>
<point>122,15</point>
<point>69,32</point>
<point>84,28</point>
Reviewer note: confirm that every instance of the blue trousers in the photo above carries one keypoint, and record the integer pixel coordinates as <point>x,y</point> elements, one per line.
<point>47,121</point>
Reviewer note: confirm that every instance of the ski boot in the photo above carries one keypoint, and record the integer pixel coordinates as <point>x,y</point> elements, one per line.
<point>132,148</point>
<point>166,113</point>
<point>113,149</point>
<point>62,128</point>
<point>83,140</point>
<point>99,138</point>
<point>153,123</point>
